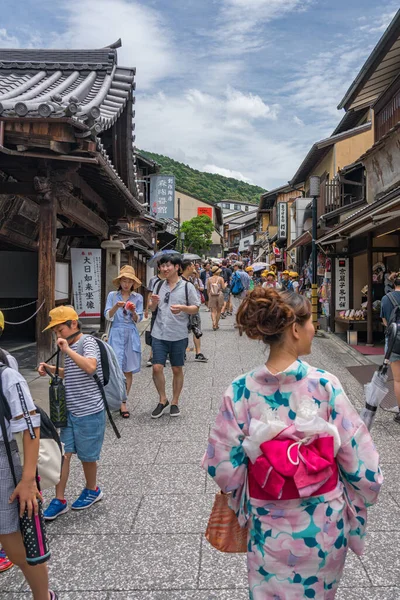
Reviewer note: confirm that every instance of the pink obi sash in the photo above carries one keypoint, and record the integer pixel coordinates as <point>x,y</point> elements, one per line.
<point>288,469</point>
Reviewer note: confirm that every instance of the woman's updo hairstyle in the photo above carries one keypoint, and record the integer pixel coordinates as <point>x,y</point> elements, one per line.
<point>266,313</point>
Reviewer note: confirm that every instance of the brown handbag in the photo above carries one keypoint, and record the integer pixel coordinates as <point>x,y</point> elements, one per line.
<point>223,530</point>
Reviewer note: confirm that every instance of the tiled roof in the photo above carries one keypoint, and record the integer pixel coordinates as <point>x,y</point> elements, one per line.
<point>85,84</point>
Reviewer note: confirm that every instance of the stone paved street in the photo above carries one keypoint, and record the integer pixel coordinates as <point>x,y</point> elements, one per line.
<point>145,541</point>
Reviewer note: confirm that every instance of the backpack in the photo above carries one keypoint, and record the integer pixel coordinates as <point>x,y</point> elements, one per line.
<point>50,449</point>
<point>394,318</point>
<point>114,389</point>
<point>215,288</point>
<point>236,284</point>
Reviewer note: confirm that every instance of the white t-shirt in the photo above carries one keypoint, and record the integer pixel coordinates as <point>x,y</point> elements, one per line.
<point>14,389</point>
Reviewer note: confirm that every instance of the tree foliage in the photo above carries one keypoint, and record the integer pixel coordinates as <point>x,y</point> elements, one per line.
<point>198,233</point>
<point>206,186</point>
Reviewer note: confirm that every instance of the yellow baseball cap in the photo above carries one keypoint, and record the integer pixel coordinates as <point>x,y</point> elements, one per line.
<point>1,320</point>
<point>60,315</point>
<point>285,273</point>
<point>293,274</point>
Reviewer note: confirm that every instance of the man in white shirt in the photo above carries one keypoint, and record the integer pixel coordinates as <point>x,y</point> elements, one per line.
<point>174,300</point>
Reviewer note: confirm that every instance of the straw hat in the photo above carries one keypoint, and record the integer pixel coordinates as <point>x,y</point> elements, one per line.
<point>216,270</point>
<point>129,273</point>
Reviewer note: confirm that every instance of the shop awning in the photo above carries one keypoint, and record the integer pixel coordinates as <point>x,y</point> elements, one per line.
<point>366,219</point>
<point>304,239</point>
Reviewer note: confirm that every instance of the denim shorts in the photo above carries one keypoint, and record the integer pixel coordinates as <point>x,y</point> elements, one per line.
<point>84,436</point>
<point>226,292</point>
<point>176,351</point>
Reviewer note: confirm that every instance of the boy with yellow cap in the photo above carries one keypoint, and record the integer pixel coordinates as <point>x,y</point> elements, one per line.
<point>294,276</point>
<point>84,433</point>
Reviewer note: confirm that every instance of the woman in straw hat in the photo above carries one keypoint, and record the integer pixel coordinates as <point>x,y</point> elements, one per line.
<point>215,286</point>
<point>124,309</point>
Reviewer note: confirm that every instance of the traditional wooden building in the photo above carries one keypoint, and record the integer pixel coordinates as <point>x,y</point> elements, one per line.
<point>68,169</point>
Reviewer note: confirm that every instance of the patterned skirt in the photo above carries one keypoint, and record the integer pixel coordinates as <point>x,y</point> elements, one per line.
<point>297,553</point>
<point>9,518</point>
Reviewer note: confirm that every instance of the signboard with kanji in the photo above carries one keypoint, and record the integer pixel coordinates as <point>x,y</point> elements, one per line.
<point>282,220</point>
<point>86,281</point>
<point>342,284</point>
<point>162,196</point>
<point>205,210</point>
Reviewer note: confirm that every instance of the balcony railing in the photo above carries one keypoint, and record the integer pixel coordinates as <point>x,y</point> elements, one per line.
<point>337,194</point>
<point>388,116</point>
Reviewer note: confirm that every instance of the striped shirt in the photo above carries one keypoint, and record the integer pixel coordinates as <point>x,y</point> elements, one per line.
<point>81,391</point>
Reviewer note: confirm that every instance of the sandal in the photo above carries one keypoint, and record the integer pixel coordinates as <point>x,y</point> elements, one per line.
<point>125,414</point>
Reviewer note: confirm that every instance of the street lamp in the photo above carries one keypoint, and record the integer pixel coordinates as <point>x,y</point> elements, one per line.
<point>182,245</point>
<point>315,184</point>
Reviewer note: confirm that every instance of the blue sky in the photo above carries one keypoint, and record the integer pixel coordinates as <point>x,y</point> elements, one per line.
<point>237,87</point>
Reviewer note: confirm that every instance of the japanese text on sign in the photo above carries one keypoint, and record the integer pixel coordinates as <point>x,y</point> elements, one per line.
<point>282,220</point>
<point>86,281</point>
<point>162,196</point>
<point>342,284</point>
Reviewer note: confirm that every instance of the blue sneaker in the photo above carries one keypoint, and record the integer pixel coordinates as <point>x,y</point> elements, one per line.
<point>87,498</point>
<point>55,509</point>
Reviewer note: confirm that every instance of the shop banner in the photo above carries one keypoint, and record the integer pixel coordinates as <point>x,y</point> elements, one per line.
<point>86,281</point>
<point>282,220</point>
<point>162,196</point>
<point>342,281</point>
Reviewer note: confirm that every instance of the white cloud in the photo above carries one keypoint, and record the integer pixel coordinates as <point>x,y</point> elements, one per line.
<point>146,39</point>
<point>380,24</point>
<point>8,41</point>
<point>196,128</point>
<point>249,106</point>
<point>240,21</point>
<point>225,172</point>
<point>298,121</point>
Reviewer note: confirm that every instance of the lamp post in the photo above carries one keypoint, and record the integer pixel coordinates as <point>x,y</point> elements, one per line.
<point>182,242</point>
<point>315,184</point>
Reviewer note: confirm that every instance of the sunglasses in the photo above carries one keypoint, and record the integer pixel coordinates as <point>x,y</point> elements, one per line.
<point>166,297</point>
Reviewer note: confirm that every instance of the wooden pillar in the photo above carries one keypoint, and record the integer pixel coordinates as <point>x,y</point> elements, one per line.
<point>46,274</point>
<point>370,296</point>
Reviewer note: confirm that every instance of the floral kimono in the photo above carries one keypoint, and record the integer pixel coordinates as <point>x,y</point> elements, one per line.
<point>302,470</point>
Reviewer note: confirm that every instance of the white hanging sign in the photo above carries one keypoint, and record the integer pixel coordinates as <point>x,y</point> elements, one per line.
<point>282,220</point>
<point>86,281</point>
<point>342,281</point>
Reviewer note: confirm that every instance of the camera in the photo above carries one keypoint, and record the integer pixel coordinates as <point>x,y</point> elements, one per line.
<point>196,331</point>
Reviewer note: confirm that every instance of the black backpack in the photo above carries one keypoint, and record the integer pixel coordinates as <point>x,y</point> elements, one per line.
<point>394,318</point>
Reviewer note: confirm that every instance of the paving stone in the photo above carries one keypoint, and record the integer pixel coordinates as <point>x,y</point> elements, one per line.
<point>391,477</point>
<point>170,513</point>
<point>175,479</point>
<point>382,515</point>
<point>11,581</point>
<point>107,516</point>
<point>381,558</point>
<point>139,562</point>
<point>354,573</point>
<point>220,571</point>
<point>180,452</point>
<point>232,594</point>
<point>381,593</point>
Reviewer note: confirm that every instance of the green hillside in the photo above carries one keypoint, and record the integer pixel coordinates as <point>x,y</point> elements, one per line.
<point>206,186</point>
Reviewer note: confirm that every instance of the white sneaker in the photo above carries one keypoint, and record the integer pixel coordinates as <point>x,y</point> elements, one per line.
<point>149,363</point>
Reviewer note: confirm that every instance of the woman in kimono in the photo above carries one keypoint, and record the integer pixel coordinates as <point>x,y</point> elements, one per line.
<point>124,309</point>
<point>299,464</point>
